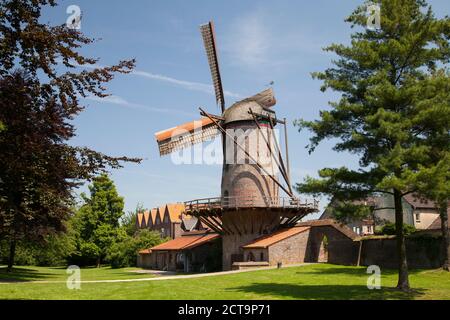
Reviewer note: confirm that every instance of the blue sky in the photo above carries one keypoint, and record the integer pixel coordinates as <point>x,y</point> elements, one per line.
<point>259,42</point>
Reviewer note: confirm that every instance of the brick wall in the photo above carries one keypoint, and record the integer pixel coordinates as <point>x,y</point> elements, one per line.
<point>289,251</point>
<point>422,253</point>
<point>337,248</point>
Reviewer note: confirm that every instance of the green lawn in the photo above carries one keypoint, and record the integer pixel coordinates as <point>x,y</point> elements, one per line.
<point>26,274</point>
<point>306,282</point>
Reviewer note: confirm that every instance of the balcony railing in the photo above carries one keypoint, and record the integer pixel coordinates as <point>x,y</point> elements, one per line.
<point>250,202</point>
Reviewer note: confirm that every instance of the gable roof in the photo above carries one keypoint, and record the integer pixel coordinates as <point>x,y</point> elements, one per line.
<point>332,223</point>
<point>186,241</point>
<point>140,217</point>
<point>271,239</point>
<point>146,217</point>
<point>153,215</point>
<point>436,225</point>
<point>160,213</point>
<point>175,210</point>
<point>419,202</point>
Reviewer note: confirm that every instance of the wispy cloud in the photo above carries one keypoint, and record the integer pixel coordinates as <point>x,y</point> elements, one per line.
<point>190,85</point>
<point>260,39</point>
<point>117,100</point>
<point>247,40</point>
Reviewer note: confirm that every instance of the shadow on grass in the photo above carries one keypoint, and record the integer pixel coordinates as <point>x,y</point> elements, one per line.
<point>325,292</point>
<point>22,275</point>
<point>350,271</point>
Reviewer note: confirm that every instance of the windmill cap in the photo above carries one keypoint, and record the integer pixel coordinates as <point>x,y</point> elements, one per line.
<point>240,111</point>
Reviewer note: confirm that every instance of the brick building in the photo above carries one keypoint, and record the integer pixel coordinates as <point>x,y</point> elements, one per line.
<point>195,251</point>
<point>169,220</point>
<point>312,241</point>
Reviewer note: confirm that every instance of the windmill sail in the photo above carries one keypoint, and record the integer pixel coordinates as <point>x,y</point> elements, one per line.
<point>185,135</point>
<point>209,41</point>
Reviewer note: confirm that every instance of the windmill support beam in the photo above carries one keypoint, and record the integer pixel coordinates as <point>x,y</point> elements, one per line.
<point>280,166</point>
<point>287,152</point>
<point>288,192</point>
<point>281,157</point>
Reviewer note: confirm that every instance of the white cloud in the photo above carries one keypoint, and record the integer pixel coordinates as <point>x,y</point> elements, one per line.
<point>248,40</point>
<point>113,99</point>
<point>189,85</point>
<point>195,86</point>
<point>261,39</point>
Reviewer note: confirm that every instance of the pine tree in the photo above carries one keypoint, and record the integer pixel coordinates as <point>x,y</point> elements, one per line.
<point>393,83</point>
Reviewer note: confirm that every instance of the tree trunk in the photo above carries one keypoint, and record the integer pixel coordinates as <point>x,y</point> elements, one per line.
<point>445,234</point>
<point>12,253</point>
<point>99,261</point>
<point>403,281</point>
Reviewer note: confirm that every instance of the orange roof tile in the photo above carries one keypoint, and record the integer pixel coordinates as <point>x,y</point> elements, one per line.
<point>146,217</point>
<point>332,223</point>
<point>182,129</point>
<point>139,219</point>
<point>153,215</point>
<point>160,213</point>
<point>175,210</point>
<point>267,241</point>
<point>186,242</point>
<point>145,251</point>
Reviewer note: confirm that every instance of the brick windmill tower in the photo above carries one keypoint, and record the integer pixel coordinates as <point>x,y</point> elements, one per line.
<point>250,204</point>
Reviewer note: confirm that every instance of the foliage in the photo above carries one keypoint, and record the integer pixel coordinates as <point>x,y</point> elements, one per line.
<point>96,223</point>
<point>128,220</point>
<point>39,169</point>
<point>53,251</point>
<point>124,253</point>
<point>394,89</point>
<point>389,229</point>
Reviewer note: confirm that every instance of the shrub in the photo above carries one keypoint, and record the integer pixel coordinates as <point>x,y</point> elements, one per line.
<point>389,229</point>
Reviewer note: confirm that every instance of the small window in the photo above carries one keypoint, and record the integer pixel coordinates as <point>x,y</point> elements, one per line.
<point>261,256</point>
<point>417,217</point>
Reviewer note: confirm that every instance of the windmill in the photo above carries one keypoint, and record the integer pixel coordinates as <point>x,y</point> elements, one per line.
<point>250,204</point>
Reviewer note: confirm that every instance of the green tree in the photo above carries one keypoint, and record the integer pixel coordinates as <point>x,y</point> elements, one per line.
<point>389,79</point>
<point>39,169</point>
<point>124,253</point>
<point>433,182</point>
<point>128,221</point>
<point>97,221</point>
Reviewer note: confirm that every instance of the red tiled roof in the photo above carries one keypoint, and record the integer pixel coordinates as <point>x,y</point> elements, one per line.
<point>160,213</point>
<point>175,210</point>
<point>186,241</point>
<point>332,223</point>
<point>267,241</point>
<point>153,215</point>
<point>146,217</point>
<point>145,251</point>
<point>140,216</point>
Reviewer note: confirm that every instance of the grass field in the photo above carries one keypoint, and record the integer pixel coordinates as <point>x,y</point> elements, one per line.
<point>306,282</point>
